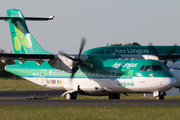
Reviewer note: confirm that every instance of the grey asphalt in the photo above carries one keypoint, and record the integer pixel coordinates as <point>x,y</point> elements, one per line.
<point>22,98</point>
<point>43,102</point>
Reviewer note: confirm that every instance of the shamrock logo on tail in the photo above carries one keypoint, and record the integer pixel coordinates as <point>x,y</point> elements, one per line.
<point>21,40</point>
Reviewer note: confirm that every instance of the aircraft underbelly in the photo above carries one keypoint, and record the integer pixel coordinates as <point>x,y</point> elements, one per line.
<point>114,85</point>
<point>90,86</point>
<point>51,83</point>
<point>135,84</point>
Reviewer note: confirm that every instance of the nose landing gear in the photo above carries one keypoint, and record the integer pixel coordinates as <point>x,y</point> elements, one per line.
<point>114,96</point>
<point>161,96</point>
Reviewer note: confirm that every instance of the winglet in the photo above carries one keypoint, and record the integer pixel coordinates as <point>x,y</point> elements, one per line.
<point>51,17</point>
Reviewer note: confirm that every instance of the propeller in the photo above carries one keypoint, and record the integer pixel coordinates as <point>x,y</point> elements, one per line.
<point>77,61</point>
<point>163,58</point>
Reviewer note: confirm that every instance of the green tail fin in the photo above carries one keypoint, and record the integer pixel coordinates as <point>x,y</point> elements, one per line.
<point>23,41</point>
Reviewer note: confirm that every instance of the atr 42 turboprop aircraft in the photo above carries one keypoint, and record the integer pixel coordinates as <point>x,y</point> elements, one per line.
<point>95,72</point>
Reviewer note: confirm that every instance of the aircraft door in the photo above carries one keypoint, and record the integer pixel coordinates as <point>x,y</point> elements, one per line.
<point>43,80</point>
<point>112,82</point>
<point>113,74</point>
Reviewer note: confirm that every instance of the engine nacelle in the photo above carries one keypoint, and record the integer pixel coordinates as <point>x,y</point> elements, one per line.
<point>153,57</point>
<point>62,63</point>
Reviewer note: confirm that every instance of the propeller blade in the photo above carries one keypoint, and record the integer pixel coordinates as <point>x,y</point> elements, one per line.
<point>163,58</point>
<point>154,50</point>
<point>125,94</point>
<point>72,75</point>
<point>172,50</point>
<point>77,61</point>
<point>74,69</point>
<point>82,46</point>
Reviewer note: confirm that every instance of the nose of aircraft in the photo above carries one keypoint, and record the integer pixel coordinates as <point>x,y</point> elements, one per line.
<point>169,83</point>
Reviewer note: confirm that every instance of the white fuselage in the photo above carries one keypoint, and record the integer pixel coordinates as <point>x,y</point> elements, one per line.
<point>105,86</point>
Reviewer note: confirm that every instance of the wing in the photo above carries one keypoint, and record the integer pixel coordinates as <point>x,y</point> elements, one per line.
<point>39,58</point>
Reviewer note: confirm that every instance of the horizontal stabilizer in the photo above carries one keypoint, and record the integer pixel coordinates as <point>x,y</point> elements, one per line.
<point>28,18</point>
<point>27,56</point>
<point>7,18</point>
<point>39,18</point>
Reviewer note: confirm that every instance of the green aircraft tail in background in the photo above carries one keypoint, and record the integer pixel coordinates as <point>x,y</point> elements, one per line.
<point>23,41</point>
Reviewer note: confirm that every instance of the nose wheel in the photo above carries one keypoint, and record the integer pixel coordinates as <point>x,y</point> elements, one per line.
<point>160,96</point>
<point>114,96</point>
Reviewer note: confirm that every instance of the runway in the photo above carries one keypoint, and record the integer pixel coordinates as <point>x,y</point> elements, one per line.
<point>89,102</point>
<point>21,95</point>
<point>19,98</point>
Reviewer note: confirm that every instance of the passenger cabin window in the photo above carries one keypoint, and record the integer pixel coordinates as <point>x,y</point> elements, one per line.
<point>93,72</point>
<point>157,67</point>
<point>117,72</point>
<point>81,72</point>
<point>101,72</point>
<point>89,72</point>
<point>148,68</point>
<point>77,72</point>
<point>50,72</point>
<point>105,72</point>
<point>54,72</point>
<point>85,72</point>
<point>57,72</point>
<point>109,72</point>
<point>113,72</point>
<point>97,71</point>
<point>141,68</point>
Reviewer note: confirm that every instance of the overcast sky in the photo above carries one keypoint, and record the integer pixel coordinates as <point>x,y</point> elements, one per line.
<point>99,21</point>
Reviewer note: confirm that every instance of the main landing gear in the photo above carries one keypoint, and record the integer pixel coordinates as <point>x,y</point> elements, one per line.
<point>115,96</point>
<point>71,96</point>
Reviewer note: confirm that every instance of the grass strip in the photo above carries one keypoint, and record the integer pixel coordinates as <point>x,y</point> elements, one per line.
<point>18,85</point>
<point>90,112</point>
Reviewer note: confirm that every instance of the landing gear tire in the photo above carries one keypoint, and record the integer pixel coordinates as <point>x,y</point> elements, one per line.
<point>71,96</point>
<point>161,96</point>
<point>114,96</point>
<point>68,96</point>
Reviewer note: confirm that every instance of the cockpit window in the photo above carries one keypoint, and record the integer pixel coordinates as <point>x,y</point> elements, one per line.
<point>141,68</point>
<point>148,68</point>
<point>157,67</point>
<point>165,67</point>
